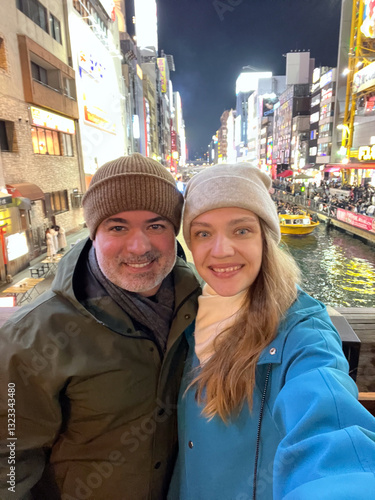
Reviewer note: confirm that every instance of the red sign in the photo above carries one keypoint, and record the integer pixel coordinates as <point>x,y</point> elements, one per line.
<point>356,220</point>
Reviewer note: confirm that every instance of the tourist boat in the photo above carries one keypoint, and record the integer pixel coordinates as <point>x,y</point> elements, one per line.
<point>296,224</point>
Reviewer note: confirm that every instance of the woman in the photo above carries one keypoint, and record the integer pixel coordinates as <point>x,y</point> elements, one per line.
<point>61,238</point>
<point>51,251</point>
<point>267,409</point>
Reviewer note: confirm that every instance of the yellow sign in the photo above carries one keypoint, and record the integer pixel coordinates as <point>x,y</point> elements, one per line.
<point>163,74</point>
<point>366,153</point>
<point>43,118</point>
<point>139,72</point>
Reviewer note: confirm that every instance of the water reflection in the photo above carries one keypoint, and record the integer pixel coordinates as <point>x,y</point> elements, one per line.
<point>336,268</point>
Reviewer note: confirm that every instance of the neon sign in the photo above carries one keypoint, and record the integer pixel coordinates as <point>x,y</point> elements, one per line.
<point>366,153</point>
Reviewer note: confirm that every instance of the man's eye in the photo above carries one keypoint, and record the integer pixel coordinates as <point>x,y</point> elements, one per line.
<point>156,227</point>
<point>117,229</point>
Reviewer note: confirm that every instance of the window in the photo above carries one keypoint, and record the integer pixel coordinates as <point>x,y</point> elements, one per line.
<point>3,58</point>
<point>91,16</point>
<point>314,117</point>
<point>4,145</point>
<point>324,149</point>
<point>76,199</point>
<point>69,88</point>
<point>35,11</point>
<point>8,141</point>
<point>38,73</point>
<point>55,28</point>
<point>59,201</point>
<point>315,101</point>
<point>325,130</point>
<point>51,142</point>
<point>67,144</point>
<point>326,111</point>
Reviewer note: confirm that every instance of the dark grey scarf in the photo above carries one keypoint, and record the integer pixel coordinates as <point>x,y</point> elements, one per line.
<point>155,314</point>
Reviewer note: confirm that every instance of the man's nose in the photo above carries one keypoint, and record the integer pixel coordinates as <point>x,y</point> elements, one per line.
<point>222,247</point>
<point>138,243</point>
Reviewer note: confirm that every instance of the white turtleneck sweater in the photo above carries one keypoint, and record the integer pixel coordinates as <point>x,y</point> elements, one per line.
<point>215,314</point>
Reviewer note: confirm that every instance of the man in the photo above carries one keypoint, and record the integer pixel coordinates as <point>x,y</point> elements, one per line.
<point>94,365</point>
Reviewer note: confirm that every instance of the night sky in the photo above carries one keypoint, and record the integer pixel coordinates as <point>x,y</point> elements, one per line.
<point>211,43</point>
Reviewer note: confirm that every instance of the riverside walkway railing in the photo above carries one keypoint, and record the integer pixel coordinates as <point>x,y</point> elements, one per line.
<point>325,209</point>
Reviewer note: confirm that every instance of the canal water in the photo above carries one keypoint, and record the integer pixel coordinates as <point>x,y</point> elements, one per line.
<point>336,268</point>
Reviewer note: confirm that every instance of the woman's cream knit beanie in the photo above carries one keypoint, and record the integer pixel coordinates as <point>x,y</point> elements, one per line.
<point>238,185</point>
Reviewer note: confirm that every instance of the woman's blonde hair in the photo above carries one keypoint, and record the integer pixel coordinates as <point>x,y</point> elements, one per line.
<point>227,378</point>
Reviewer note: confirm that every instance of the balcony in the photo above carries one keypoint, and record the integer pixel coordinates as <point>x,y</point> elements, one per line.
<point>47,81</point>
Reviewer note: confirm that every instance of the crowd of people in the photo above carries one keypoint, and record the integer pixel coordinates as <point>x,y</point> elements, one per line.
<point>283,207</point>
<point>331,195</point>
<point>55,240</point>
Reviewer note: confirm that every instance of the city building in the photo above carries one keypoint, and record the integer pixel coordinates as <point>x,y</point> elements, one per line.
<point>322,118</point>
<point>246,84</point>
<point>222,139</point>
<point>260,120</point>
<point>41,172</point>
<point>353,137</point>
<point>291,117</point>
<point>95,56</point>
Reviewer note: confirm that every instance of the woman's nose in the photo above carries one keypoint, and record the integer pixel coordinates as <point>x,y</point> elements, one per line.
<point>222,247</point>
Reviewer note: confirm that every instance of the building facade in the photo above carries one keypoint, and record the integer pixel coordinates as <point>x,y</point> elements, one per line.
<point>40,164</point>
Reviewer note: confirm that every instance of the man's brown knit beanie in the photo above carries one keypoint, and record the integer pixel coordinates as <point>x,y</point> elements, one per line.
<point>131,183</point>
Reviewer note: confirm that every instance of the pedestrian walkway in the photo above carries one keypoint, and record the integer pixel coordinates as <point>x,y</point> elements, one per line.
<point>71,238</point>
<point>44,285</point>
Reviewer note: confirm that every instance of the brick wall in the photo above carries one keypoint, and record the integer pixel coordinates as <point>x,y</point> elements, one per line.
<point>50,173</point>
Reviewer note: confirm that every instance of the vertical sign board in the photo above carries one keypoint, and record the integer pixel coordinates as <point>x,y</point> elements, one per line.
<point>163,74</point>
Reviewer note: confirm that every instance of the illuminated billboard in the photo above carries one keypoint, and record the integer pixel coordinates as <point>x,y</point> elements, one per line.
<point>146,23</point>
<point>47,119</point>
<point>96,98</point>
<point>163,74</point>
<point>368,25</point>
<point>248,82</point>
<point>16,246</point>
<point>364,79</point>
<point>269,101</point>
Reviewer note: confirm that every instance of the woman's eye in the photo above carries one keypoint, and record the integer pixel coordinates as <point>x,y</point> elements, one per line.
<point>201,234</point>
<point>242,231</point>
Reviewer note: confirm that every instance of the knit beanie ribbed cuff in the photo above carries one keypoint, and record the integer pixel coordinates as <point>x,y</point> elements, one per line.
<point>131,183</point>
<point>223,186</point>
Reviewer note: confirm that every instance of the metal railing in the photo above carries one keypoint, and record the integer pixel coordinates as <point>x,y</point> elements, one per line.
<point>302,200</point>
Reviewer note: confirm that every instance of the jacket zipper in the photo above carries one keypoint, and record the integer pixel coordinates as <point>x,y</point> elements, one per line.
<point>259,429</point>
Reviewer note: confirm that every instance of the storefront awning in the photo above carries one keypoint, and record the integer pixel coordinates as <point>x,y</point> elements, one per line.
<point>335,167</point>
<point>286,173</point>
<point>363,166</point>
<point>25,190</point>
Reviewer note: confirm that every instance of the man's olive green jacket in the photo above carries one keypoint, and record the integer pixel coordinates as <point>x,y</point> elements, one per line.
<point>95,402</point>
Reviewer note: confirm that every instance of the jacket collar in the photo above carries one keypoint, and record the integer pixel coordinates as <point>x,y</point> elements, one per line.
<point>186,282</point>
<point>304,306</point>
